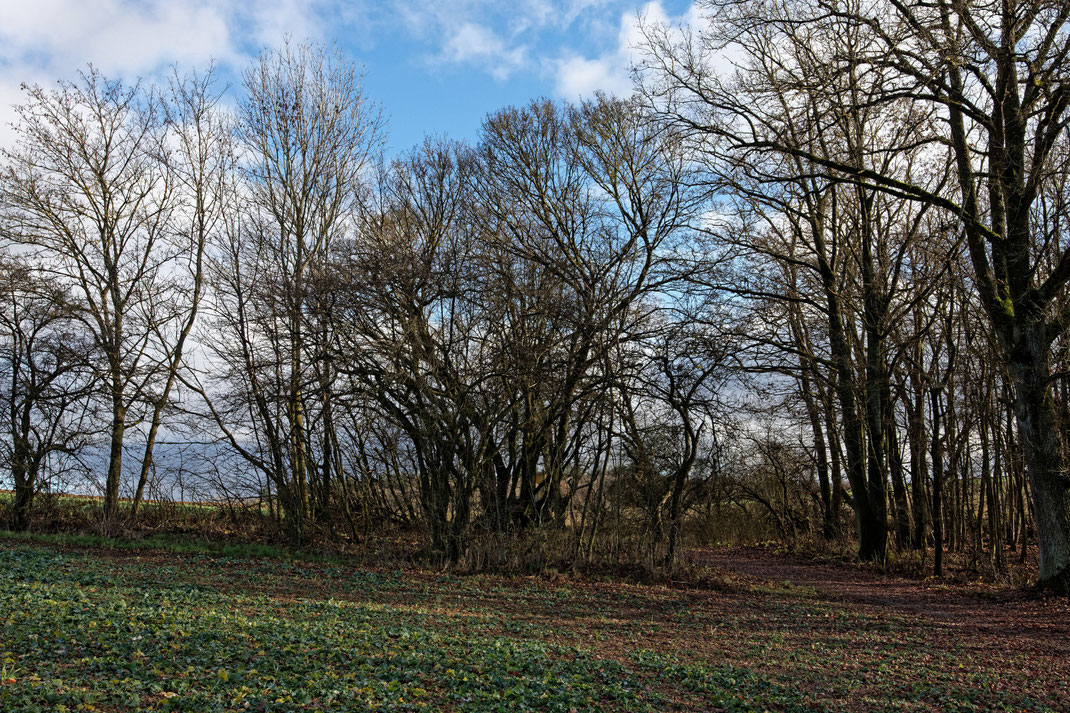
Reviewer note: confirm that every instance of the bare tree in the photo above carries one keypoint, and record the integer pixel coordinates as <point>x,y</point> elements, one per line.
<point>839,249</point>
<point>198,154</point>
<point>993,76</point>
<point>88,200</point>
<point>305,134</point>
<point>592,199</point>
<point>48,379</point>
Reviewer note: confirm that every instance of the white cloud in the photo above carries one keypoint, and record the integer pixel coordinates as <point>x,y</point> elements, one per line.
<point>119,37</point>
<point>489,36</point>
<point>271,21</point>
<point>579,77</point>
<point>471,43</point>
<point>576,76</point>
<point>45,40</point>
<point>452,27</point>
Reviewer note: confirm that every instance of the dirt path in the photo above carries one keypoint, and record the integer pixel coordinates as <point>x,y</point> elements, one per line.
<point>1020,618</point>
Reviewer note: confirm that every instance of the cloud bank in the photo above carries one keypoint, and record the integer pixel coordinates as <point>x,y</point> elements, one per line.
<point>572,47</point>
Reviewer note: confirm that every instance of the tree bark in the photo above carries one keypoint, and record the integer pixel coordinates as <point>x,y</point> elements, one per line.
<point>1034,411</point>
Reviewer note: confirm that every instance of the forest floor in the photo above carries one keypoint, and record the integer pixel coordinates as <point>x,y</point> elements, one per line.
<point>98,629</point>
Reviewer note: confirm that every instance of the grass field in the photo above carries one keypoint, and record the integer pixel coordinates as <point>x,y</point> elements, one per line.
<point>89,629</point>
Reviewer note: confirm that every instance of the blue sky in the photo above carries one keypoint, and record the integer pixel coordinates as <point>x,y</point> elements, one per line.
<point>434,67</point>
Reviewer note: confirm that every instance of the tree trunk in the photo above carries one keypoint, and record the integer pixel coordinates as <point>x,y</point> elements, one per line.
<point>899,490</point>
<point>678,485</point>
<point>23,470</point>
<point>115,461</point>
<point>146,460</point>
<point>1045,467</point>
<point>828,515</point>
<point>872,527</point>
<point>919,472</point>
<point>938,484</point>
<point>24,476</point>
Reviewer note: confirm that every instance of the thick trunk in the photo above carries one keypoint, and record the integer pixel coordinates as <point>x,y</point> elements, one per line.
<point>1045,466</point>
<point>290,510</point>
<point>25,485</point>
<point>876,387</point>
<point>115,461</point>
<point>1006,269</point>
<point>23,469</point>
<point>20,508</point>
<point>872,527</point>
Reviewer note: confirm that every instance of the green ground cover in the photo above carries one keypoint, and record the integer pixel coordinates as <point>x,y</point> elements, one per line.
<point>84,629</point>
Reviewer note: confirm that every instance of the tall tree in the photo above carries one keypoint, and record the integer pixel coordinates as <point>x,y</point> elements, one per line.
<point>85,194</point>
<point>198,155</point>
<point>305,134</point>
<point>995,75</point>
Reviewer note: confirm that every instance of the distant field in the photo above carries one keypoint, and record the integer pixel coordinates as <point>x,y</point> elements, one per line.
<point>87,629</point>
<point>70,499</point>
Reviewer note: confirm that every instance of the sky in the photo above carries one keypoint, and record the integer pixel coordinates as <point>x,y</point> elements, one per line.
<point>433,67</point>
